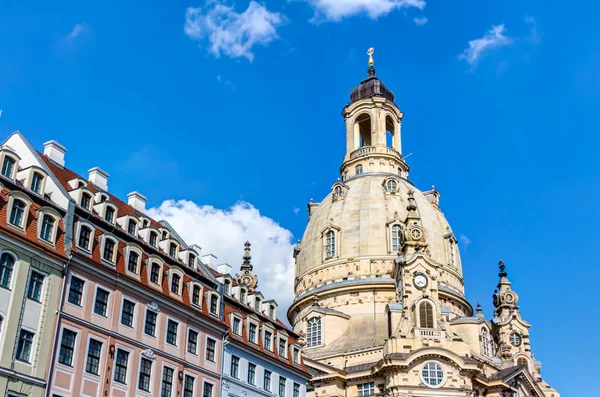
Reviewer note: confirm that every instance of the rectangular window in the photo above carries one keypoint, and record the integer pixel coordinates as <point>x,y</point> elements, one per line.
<point>196,295</point>
<point>17,213</point>
<point>132,263</point>
<point>210,349</point>
<point>236,326</point>
<point>188,386</point>
<point>167,382</point>
<point>282,386</point>
<point>267,381</point>
<point>121,366</point>
<point>36,283</point>
<point>92,364</point>
<point>172,332</point>
<point>213,304</point>
<point>252,373</point>
<point>24,346</point>
<point>268,337</point>
<point>296,356</point>
<point>366,389</point>
<point>192,261</point>
<point>109,214</point>
<point>67,345</point>
<point>252,333</point>
<point>150,325</point>
<point>75,291</point>
<point>173,250</point>
<point>101,303</point>
<point>235,366</point>
<point>145,371</point>
<point>109,250</point>
<point>85,201</point>
<point>296,390</point>
<point>207,392</point>
<point>127,313</point>
<point>192,341</point>
<point>282,347</point>
<point>153,239</point>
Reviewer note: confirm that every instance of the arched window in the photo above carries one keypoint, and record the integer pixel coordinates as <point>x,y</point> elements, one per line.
<point>214,304</point>
<point>426,315</point>
<point>85,234</point>
<point>389,131</point>
<point>330,244</point>
<point>313,332</point>
<point>173,250</point>
<point>337,192</point>
<point>103,198</point>
<point>36,182</point>
<point>243,296</point>
<point>132,264</point>
<point>85,201</point>
<point>155,273</point>
<point>175,284</point>
<point>7,263</point>
<point>145,223</point>
<point>522,361</point>
<point>396,235</point>
<point>272,312</point>
<point>391,185</point>
<point>17,213</point>
<point>362,130</point>
<point>47,231</point>
<point>8,167</point>
<point>485,342</point>
<point>257,304</point>
<point>131,226</point>
<point>359,169</point>
<point>109,250</point>
<point>196,295</point>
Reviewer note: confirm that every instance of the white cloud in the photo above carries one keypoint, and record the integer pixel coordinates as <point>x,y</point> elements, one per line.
<point>77,30</point>
<point>229,32</point>
<point>224,232</point>
<point>535,36</point>
<point>296,209</point>
<point>465,241</point>
<point>336,10</point>
<point>226,83</point>
<point>420,21</point>
<point>493,38</point>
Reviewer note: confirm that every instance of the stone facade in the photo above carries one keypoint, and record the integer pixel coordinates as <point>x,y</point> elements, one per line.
<point>379,284</point>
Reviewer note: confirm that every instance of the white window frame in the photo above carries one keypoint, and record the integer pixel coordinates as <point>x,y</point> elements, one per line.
<point>6,151</point>
<point>135,312</point>
<point>78,226</point>
<point>39,220</point>
<point>128,374</point>
<point>319,336</point>
<point>191,285</point>
<point>9,205</point>
<point>177,331</point>
<point>152,376</point>
<point>201,394</point>
<point>187,340</point>
<point>108,303</point>
<point>149,261</point>
<point>442,381</point>
<point>77,332</point>
<point>209,295</point>
<point>103,237</point>
<point>235,316</point>
<point>103,350</point>
<point>127,250</point>
<point>83,293</point>
<point>14,269</point>
<point>174,270</point>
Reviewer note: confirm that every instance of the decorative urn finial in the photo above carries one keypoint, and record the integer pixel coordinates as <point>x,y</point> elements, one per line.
<point>371,70</point>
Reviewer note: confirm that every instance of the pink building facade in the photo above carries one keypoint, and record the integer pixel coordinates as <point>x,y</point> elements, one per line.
<point>139,315</point>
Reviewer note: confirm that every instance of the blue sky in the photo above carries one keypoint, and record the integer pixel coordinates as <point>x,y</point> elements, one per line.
<point>238,112</point>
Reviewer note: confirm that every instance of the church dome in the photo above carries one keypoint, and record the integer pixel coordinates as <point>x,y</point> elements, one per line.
<point>364,218</point>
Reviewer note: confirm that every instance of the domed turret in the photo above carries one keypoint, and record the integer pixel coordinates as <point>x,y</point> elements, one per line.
<point>371,86</point>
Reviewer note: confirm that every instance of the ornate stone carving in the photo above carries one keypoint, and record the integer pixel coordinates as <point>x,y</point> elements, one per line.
<point>153,307</point>
<point>149,354</point>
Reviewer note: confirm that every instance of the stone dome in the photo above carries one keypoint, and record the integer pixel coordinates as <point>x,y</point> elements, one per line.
<point>363,216</point>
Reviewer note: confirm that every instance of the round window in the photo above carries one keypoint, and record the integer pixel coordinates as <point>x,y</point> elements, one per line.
<point>392,185</point>
<point>433,375</point>
<point>515,339</point>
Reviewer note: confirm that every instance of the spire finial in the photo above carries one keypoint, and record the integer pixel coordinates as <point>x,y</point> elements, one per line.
<point>502,267</point>
<point>479,307</point>
<point>371,70</point>
<point>247,257</point>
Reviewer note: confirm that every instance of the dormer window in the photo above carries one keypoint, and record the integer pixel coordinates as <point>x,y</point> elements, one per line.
<point>282,347</point>
<point>237,326</point>
<point>85,234</point>
<point>214,304</point>
<point>153,238</point>
<point>109,250</point>
<point>85,201</point>
<point>103,198</point>
<point>36,183</point>
<point>145,223</point>
<point>47,231</point>
<point>272,312</point>
<point>109,214</point>
<point>243,296</point>
<point>80,184</point>
<point>131,226</point>
<point>155,273</point>
<point>192,261</point>
<point>391,185</point>
<point>257,303</point>
<point>227,287</point>
<point>268,339</point>
<point>175,279</point>
<point>313,332</point>
<point>132,263</point>
<point>196,295</point>
<point>173,250</point>
<point>8,167</point>
<point>165,235</point>
<point>17,213</point>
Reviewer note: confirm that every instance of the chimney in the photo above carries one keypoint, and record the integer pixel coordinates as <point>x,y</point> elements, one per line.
<point>137,201</point>
<point>224,268</point>
<point>98,178</point>
<point>55,152</point>
<point>210,260</point>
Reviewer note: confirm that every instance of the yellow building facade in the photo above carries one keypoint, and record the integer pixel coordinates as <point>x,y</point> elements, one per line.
<point>379,284</point>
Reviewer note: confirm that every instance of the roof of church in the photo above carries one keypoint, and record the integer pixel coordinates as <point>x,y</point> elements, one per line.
<point>371,86</point>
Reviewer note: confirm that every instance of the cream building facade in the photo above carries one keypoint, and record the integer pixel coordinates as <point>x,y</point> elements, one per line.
<point>379,285</point>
